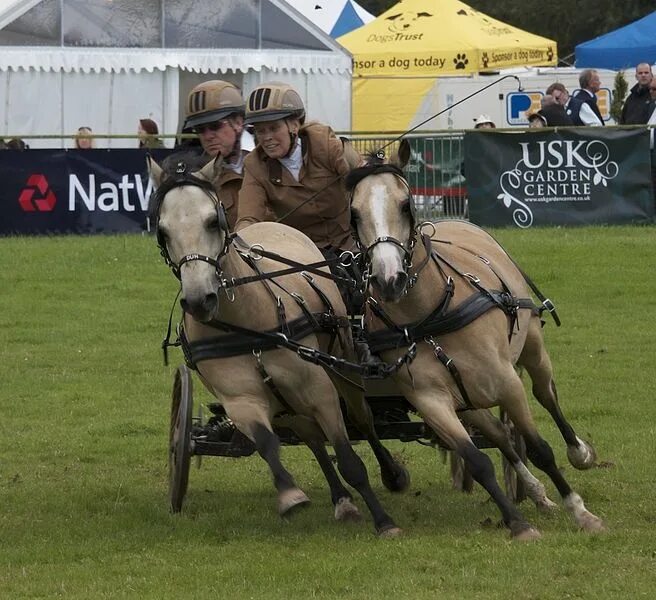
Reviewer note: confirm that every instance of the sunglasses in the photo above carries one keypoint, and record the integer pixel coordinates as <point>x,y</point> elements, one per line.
<point>213,126</point>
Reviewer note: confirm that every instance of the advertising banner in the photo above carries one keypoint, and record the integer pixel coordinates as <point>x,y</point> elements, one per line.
<point>570,177</point>
<point>74,191</point>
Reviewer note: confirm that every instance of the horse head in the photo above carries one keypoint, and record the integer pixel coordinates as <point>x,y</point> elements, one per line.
<point>192,230</point>
<point>383,221</point>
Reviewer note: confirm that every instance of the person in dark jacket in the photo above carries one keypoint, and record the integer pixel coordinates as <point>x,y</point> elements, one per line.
<point>636,106</point>
<point>590,84</point>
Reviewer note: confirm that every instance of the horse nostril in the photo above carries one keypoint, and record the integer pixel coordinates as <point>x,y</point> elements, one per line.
<point>209,302</point>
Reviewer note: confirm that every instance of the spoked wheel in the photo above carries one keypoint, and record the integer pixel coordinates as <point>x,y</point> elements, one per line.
<point>180,437</point>
<point>514,487</point>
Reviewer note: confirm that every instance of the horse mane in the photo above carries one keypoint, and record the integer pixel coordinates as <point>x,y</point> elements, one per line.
<point>171,166</point>
<point>355,176</point>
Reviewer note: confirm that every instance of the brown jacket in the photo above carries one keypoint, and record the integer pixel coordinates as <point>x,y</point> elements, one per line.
<point>270,188</point>
<point>227,185</point>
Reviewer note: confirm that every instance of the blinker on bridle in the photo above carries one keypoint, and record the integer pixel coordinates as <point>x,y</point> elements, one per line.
<point>180,179</point>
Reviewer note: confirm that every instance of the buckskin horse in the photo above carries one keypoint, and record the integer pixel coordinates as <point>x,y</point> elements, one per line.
<point>450,288</point>
<point>237,336</point>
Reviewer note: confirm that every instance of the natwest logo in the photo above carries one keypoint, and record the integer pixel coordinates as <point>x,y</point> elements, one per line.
<point>37,195</point>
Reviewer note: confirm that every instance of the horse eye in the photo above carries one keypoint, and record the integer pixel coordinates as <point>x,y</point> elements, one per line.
<point>405,206</point>
<point>213,224</point>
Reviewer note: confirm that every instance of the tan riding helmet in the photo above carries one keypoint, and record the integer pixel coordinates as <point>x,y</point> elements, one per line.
<point>212,101</point>
<point>273,101</point>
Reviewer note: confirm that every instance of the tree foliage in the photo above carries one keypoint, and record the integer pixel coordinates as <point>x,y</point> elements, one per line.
<point>567,22</point>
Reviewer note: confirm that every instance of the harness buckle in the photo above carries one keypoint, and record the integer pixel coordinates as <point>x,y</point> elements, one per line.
<point>472,277</point>
<point>549,305</point>
<point>309,354</point>
<point>485,260</point>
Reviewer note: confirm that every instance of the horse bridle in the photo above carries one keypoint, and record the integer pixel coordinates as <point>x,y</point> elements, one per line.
<point>179,179</point>
<point>353,180</point>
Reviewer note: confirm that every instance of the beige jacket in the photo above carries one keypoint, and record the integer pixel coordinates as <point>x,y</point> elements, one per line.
<point>268,188</point>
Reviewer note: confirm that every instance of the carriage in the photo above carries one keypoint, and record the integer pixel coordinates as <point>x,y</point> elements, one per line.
<point>193,435</point>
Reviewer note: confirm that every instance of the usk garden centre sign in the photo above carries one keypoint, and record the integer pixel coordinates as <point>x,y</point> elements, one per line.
<point>567,177</point>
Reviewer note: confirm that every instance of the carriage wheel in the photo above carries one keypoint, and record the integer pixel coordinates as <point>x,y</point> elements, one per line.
<point>180,437</point>
<point>461,477</point>
<point>514,487</point>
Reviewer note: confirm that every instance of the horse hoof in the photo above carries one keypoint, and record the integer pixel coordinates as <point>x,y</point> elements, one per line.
<point>291,499</point>
<point>346,511</point>
<point>583,456</point>
<point>526,535</point>
<point>399,481</point>
<point>592,524</point>
<point>390,531</point>
<point>546,506</point>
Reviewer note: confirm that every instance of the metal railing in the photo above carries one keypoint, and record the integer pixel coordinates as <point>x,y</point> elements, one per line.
<point>435,171</point>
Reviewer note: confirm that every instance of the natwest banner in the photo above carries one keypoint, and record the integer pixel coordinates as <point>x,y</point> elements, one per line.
<point>74,191</point>
<point>567,177</point>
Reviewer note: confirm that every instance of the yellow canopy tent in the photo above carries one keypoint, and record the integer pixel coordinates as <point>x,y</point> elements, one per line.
<point>417,40</point>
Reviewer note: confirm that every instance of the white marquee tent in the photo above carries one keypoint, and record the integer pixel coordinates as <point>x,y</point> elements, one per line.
<point>69,63</point>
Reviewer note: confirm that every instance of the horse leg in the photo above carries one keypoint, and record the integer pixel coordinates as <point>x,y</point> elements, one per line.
<point>534,358</point>
<point>253,421</point>
<point>540,453</point>
<point>439,414</point>
<point>311,434</point>
<point>494,431</point>
<point>329,416</point>
<point>393,474</point>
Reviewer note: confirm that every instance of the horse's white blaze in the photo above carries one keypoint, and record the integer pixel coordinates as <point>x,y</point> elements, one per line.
<point>386,259</point>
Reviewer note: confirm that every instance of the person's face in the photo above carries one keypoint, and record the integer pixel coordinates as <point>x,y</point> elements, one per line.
<point>84,142</point>
<point>536,122</point>
<point>484,126</point>
<point>141,132</point>
<point>273,136</point>
<point>595,83</point>
<point>643,74</point>
<point>219,137</point>
<point>560,97</point>
<point>652,89</point>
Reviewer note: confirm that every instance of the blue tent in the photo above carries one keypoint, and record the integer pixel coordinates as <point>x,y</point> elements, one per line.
<point>628,46</point>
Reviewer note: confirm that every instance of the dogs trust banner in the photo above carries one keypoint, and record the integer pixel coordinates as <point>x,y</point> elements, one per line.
<point>567,177</point>
<point>74,191</point>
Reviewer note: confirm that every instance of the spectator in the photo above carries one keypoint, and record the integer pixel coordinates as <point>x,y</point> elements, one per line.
<point>579,112</point>
<point>3,146</point>
<point>17,144</point>
<point>147,132</point>
<point>552,113</point>
<point>537,119</point>
<point>215,111</point>
<point>484,121</point>
<point>590,85</point>
<point>636,105</point>
<point>84,138</point>
<point>652,121</point>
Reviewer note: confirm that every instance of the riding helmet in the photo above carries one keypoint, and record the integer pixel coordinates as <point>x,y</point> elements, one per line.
<point>273,101</point>
<point>212,101</point>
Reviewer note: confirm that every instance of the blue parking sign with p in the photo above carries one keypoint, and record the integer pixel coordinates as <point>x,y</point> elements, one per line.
<point>519,104</point>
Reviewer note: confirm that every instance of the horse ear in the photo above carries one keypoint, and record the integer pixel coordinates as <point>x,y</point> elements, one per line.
<point>401,157</point>
<point>155,172</point>
<point>212,168</point>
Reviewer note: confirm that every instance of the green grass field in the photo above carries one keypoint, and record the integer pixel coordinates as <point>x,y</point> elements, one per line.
<point>83,448</point>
